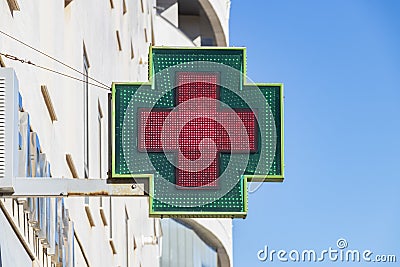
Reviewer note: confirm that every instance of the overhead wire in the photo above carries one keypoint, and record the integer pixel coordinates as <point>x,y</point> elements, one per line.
<point>58,61</point>
<point>12,57</point>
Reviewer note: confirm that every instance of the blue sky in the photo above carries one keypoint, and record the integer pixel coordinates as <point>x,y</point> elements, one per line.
<point>340,64</point>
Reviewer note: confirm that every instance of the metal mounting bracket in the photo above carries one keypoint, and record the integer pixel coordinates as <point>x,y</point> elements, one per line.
<point>67,187</point>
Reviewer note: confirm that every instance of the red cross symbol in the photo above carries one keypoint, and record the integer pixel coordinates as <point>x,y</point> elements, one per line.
<point>198,129</point>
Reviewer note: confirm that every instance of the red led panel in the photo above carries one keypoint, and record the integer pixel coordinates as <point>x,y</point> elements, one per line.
<point>234,126</point>
<point>192,85</point>
<point>150,128</point>
<point>208,130</point>
<point>206,177</point>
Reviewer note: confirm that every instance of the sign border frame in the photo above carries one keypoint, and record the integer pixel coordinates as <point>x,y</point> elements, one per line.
<point>250,178</point>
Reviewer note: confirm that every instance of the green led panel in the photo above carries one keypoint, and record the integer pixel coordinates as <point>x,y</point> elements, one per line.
<point>166,199</point>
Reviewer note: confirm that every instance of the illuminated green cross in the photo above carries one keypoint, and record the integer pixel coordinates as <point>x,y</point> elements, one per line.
<point>148,132</point>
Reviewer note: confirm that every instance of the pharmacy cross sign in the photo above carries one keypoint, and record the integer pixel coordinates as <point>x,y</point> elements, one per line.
<point>197,132</point>
<point>205,122</point>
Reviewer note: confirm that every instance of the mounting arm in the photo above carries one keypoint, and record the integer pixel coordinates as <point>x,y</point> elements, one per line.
<point>67,187</point>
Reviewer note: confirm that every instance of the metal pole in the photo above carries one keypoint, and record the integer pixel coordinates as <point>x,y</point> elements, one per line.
<point>67,187</point>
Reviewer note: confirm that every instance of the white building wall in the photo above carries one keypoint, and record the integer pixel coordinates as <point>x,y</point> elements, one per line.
<point>221,9</point>
<point>64,33</point>
<point>167,34</point>
<point>10,246</point>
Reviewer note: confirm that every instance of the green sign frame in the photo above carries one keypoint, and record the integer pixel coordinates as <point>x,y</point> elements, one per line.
<point>154,209</point>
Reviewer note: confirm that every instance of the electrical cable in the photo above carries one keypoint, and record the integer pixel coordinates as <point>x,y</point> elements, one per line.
<point>58,61</point>
<point>48,69</point>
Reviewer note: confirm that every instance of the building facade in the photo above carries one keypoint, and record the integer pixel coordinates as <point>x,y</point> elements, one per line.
<point>64,130</point>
